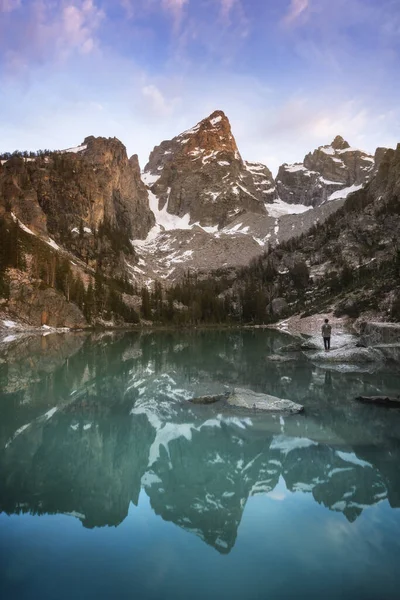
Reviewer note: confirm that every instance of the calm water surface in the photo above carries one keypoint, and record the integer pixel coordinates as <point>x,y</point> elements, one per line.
<point>113,486</point>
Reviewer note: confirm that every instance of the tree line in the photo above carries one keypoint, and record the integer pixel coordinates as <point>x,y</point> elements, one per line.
<point>102,298</point>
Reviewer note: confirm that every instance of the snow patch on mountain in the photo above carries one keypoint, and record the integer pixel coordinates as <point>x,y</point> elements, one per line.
<point>216,120</point>
<point>21,225</point>
<point>344,192</point>
<point>279,208</point>
<point>74,150</point>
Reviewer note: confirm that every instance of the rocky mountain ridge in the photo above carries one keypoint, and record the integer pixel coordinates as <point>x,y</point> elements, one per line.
<point>197,206</point>
<point>214,210</point>
<point>328,173</point>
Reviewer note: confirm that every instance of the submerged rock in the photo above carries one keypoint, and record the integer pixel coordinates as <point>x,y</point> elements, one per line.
<point>393,402</point>
<point>279,358</point>
<point>242,398</point>
<point>208,399</point>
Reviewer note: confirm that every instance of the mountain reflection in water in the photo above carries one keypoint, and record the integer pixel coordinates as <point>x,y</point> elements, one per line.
<point>87,421</point>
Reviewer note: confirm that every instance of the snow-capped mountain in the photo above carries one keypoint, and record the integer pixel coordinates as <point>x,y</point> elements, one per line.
<point>212,209</point>
<point>198,206</point>
<point>329,173</point>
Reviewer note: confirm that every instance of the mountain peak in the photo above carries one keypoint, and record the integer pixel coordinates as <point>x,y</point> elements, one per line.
<point>199,145</point>
<point>339,143</point>
<point>216,124</point>
<point>218,116</point>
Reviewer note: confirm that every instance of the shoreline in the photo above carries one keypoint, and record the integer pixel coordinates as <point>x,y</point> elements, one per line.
<point>311,326</point>
<point>293,325</point>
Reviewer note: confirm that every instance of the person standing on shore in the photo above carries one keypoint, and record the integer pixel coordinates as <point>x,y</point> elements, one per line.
<point>326,334</point>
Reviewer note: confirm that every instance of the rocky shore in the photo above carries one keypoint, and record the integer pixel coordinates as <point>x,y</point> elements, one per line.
<point>358,346</point>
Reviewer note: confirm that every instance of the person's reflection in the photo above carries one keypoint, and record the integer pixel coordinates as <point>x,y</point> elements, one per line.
<point>328,379</point>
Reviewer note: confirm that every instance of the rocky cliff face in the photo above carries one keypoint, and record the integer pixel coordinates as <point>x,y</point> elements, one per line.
<point>92,184</point>
<point>330,172</point>
<point>90,200</point>
<point>200,174</point>
<point>75,213</point>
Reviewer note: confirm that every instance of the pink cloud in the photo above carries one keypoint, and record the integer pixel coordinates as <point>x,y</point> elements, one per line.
<point>296,9</point>
<point>77,27</point>
<point>50,32</point>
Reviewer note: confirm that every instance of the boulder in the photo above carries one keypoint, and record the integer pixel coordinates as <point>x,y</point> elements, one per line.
<point>391,352</point>
<point>375,333</point>
<point>242,398</point>
<point>348,307</point>
<point>278,306</point>
<point>349,354</point>
<point>293,347</point>
<point>310,345</point>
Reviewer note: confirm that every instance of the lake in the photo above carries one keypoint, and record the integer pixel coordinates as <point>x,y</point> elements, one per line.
<point>112,485</point>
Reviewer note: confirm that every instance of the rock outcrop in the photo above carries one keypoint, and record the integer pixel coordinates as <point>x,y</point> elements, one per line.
<point>43,305</point>
<point>328,173</point>
<point>374,333</point>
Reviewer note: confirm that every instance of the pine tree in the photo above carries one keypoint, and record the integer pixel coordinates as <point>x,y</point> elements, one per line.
<point>145,308</point>
<point>89,308</point>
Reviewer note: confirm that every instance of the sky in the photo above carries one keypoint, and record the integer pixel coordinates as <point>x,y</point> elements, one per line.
<point>289,74</point>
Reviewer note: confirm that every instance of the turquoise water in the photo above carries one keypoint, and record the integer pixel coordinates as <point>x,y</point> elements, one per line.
<point>112,485</point>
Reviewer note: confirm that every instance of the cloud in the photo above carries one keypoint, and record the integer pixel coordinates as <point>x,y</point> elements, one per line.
<point>8,6</point>
<point>296,9</point>
<point>319,121</point>
<point>127,5</point>
<point>77,26</point>
<point>175,8</point>
<point>158,103</point>
<point>287,132</point>
<point>226,7</point>
<point>47,31</point>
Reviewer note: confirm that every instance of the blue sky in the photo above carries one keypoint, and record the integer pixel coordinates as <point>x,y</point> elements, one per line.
<point>289,74</point>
